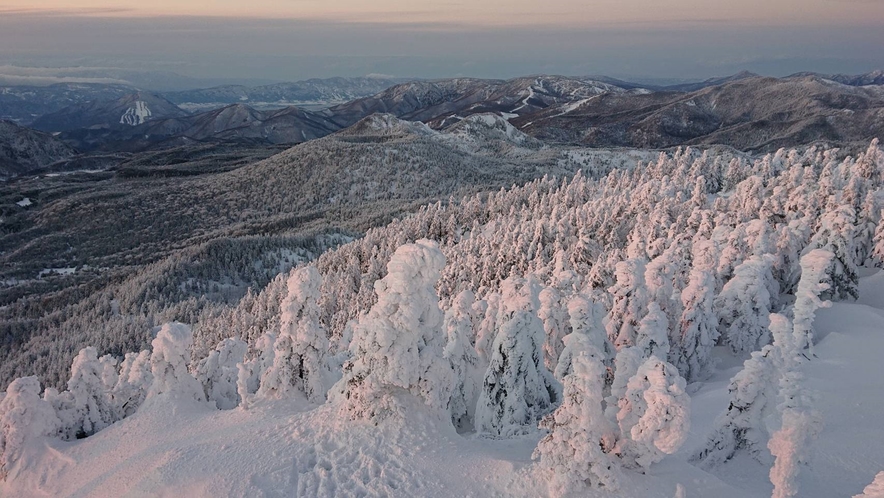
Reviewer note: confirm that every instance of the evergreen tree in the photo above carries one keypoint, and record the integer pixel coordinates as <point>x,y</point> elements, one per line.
<point>580,438</point>
<point>517,389</point>
<point>398,346</point>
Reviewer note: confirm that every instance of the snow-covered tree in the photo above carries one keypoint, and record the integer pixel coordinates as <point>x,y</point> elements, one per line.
<point>485,333</point>
<point>587,335</point>
<point>463,359</point>
<point>168,364</point>
<point>752,392</point>
<point>630,301</point>
<point>744,304</point>
<point>698,328</point>
<point>815,281</point>
<point>652,338</point>
<point>218,372</point>
<point>133,382</point>
<point>24,416</point>
<point>517,389</point>
<point>86,407</point>
<point>399,345</point>
<point>654,414</point>
<point>299,360</point>
<point>580,438</point>
<point>837,235</point>
<point>660,276</point>
<point>791,444</point>
<point>552,314</point>
<point>877,250</point>
<point>250,372</point>
<point>801,423</point>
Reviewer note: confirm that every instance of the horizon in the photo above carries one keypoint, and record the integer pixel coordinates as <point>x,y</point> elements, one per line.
<point>681,41</point>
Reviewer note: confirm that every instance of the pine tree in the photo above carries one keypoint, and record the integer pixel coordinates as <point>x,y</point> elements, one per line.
<point>133,382</point>
<point>653,415</point>
<point>299,360</point>
<point>464,360</point>
<point>837,235</point>
<point>742,428</point>
<point>652,338</point>
<point>698,328</point>
<point>399,345</point>
<point>517,389</point>
<point>168,364</point>
<point>587,335</point>
<point>744,304</point>
<point>86,407</point>
<point>24,416</point>
<point>218,373</point>
<point>816,267</point>
<point>580,438</point>
<point>554,324</point>
<point>630,300</point>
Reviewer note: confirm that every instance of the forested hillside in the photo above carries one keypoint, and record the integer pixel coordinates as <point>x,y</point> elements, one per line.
<point>580,315</point>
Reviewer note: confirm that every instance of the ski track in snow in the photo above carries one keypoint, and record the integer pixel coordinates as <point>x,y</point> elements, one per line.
<point>136,115</point>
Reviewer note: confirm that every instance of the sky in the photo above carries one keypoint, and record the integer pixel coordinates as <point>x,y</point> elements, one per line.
<point>213,41</point>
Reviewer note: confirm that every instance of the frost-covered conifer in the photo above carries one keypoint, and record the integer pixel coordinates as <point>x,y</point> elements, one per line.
<point>660,278</point>
<point>250,372</point>
<point>218,372</point>
<point>630,301</point>
<point>741,428</point>
<point>552,314</point>
<point>24,416</point>
<point>816,266</point>
<point>732,253</point>
<point>653,415</point>
<point>168,364</point>
<point>463,359</point>
<point>133,382</point>
<point>587,334</point>
<point>837,235</point>
<point>652,338</point>
<point>626,364</point>
<point>877,252</point>
<point>698,328</point>
<point>517,389</point>
<point>801,423</point>
<point>580,438</point>
<point>300,350</point>
<point>86,407</point>
<point>399,345</point>
<point>744,304</point>
<point>487,326</point>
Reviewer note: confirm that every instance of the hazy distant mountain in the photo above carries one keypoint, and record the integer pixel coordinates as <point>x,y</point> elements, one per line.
<point>127,111</point>
<point>233,123</point>
<point>24,104</point>
<point>23,150</point>
<point>332,90</point>
<point>692,87</point>
<point>872,78</point>
<point>748,114</point>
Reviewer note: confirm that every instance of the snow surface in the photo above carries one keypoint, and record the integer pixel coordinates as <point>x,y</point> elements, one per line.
<point>183,447</point>
<point>24,202</point>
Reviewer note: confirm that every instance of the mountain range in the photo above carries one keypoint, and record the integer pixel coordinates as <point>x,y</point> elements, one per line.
<point>746,111</point>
